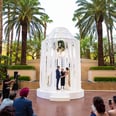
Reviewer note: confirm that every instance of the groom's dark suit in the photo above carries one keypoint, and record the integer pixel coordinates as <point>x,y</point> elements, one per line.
<point>57,78</point>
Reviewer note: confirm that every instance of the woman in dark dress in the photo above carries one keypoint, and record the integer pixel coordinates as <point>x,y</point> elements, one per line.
<point>62,78</point>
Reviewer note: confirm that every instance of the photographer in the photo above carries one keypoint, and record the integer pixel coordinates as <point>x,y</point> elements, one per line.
<point>6,86</point>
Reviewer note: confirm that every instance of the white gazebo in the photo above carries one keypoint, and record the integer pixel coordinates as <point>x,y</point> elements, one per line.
<point>60,48</point>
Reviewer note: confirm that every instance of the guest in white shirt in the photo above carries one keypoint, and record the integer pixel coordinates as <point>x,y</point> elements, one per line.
<point>8,101</point>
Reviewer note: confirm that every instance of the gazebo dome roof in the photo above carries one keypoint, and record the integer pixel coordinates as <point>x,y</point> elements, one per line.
<point>60,33</point>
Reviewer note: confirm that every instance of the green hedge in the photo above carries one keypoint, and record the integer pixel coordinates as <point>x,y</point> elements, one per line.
<point>103,68</point>
<point>105,79</point>
<point>22,78</point>
<point>21,67</point>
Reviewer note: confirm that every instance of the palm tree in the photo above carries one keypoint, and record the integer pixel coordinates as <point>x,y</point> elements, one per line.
<point>1,3</point>
<point>92,14</point>
<point>7,36</point>
<point>45,19</point>
<point>27,16</point>
<point>109,21</point>
<point>33,47</point>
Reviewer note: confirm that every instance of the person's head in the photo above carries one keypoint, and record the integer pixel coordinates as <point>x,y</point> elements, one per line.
<point>58,67</point>
<point>114,101</point>
<point>24,92</point>
<point>99,104</point>
<point>62,69</point>
<point>8,111</point>
<point>67,68</point>
<point>110,104</point>
<point>0,95</point>
<point>12,95</point>
<point>7,76</point>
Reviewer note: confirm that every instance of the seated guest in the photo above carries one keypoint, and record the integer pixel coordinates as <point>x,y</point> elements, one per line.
<point>112,112</point>
<point>110,104</point>
<point>0,98</point>
<point>98,107</point>
<point>8,101</point>
<point>7,111</point>
<point>22,105</point>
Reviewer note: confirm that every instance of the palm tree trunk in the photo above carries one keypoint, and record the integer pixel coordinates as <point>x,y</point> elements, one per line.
<point>45,28</point>
<point>17,48</point>
<point>112,50</point>
<point>11,46</point>
<point>109,43</point>
<point>8,37</point>
<point>100,44</point>
<point>24,43</point>
<point>7,53</point>
<point>1,4</point>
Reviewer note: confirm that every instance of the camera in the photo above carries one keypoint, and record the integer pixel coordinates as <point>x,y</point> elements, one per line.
<point>110,102</point>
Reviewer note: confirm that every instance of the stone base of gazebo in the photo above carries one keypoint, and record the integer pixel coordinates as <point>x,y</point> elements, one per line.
<point>60,95</point>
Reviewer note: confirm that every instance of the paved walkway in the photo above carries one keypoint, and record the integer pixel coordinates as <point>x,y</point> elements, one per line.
<point>78,107</point>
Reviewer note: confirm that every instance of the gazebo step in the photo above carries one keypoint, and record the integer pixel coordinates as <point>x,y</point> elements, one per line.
<point>59,98</point>
<point>60,95</point>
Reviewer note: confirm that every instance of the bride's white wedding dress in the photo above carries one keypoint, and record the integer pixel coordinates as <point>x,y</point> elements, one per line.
<point>67,80</point>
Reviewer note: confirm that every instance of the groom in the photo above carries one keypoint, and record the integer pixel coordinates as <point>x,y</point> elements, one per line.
<point>57,77</point>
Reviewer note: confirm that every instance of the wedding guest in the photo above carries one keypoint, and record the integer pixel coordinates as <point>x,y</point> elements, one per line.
<point>8,101</point>
<point>22,105</point>
<point>110,104</point>
<point>98,107</point>
<point>0,98</point>
<point>7,111</point>
<point>112,112</point>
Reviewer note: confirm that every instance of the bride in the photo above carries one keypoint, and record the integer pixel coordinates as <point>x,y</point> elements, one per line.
<point>67,79</point>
